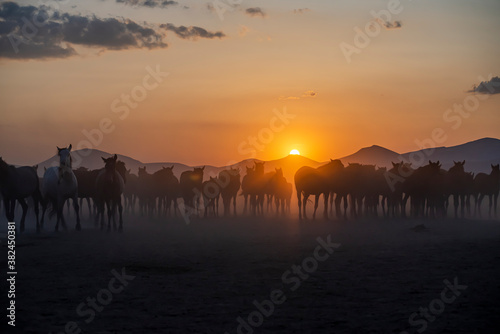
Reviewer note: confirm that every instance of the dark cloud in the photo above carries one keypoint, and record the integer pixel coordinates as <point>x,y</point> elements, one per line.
<point>28,32</point>
<point>149,3</point>
<point>255,11</point>
<point>488,87</point>
<point>390,25</point>
<point>192,32</point>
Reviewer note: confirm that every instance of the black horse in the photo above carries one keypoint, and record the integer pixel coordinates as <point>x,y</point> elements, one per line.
<point>16,184</point>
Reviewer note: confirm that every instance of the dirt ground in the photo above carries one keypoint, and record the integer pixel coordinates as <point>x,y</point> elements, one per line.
<point>240,275</point>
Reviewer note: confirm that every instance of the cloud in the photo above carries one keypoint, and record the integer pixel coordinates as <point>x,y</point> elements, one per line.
<point>149,3</point>
<point>29,32</point>
<point>192,32</point>
<point>255,11</point>
<point>307,94</point>
<point>243,30</point>
<point>301,10</point>
<point>310,93</point>
<point>390,25</point>
<point>488,87</point>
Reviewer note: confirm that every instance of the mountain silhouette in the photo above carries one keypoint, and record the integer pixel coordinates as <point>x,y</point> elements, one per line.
<point>478,154</point>
<point>373,155</point>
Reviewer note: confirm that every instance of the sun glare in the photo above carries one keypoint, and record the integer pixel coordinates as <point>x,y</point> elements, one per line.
<point>294,152</point>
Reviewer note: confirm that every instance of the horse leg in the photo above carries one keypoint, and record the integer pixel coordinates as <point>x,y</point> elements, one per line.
<point>120,213</point>
<point>304,203</point>
<point>77,213</point>
<point>479,201</point>
<point>316,200</point>
<point>24,206</point>
<point>36,201</point>
<point>110,213</point>
<point>113,212</point>
<point>490,198</point>
<point>234,204</point>
<point>325,210</point>
<point>300,204</point>
<point>245,196</point>
<point>12,209</point>
<point>495,202</point>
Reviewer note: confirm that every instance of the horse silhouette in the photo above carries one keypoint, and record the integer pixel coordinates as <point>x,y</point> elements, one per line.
<point>229,181</point>
<point>16,184</point>
<point>109,188</point>
<point>130,192</point>
<point>396,178</point>
<point>456,183</point>
<point>426,188</point>
<point>86,185</point>
<point>211,192</point>
<point>166,187</point>
<point>247,188</point>
<point>316,181</point>
<point>58,185</point>
<point>280,190</point>
<point>487,185</point>
<point>191,183</point>
<point>145,192</point>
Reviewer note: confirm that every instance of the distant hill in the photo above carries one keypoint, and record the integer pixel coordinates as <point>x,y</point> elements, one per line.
<point>478,154</point>
<point>373,155</point>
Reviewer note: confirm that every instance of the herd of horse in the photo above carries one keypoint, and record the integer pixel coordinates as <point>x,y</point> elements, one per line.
<point>427,188</point>
<point>360,188</point>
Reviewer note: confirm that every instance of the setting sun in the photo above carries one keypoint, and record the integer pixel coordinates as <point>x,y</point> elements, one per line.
<point>294,152</point>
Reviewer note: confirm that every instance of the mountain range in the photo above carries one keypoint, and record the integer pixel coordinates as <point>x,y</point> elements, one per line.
<point>478,154</point>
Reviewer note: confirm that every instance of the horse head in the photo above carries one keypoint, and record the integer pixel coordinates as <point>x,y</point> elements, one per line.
<point>495,169</point>
<point>122,170</point>
<point>110,163</point>
<point>64,156</point>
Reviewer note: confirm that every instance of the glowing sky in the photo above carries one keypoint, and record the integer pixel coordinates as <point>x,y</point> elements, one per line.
<point>229,80</point>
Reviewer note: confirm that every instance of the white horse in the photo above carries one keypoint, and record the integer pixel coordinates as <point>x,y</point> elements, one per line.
<point>59,184</point>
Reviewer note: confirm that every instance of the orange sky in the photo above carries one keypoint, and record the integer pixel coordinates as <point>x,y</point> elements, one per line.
<point>220,92</point>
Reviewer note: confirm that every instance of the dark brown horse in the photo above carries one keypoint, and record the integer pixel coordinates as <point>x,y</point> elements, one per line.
<point>16,184</point>
<point>229,181</point>
<point>280,191</point>
<point>488,185</point>
<point>146,193</point>
<point>167,188</point>
<point>315,181</point>
<point>191,183</point>
<point>456,183</point>
<point>86,185</point>
<point>211,193</point>
<point>109,189</point>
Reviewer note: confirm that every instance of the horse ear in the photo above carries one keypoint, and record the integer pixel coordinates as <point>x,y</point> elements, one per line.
<point>58,149</point>
<point>115,157</point>
<point>430,162</point>
<point>393,164</point>
<point>172,167</point>
<point>203,168</point>
<point>69,147</point>
<point>103,159</point>
<point>463,162</point>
